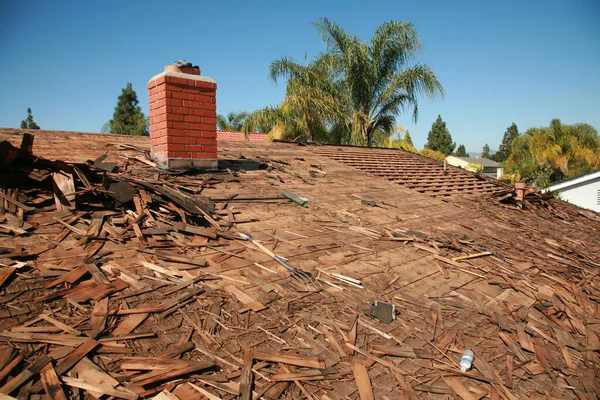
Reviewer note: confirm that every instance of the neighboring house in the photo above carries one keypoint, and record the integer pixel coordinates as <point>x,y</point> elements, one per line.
<point>582,190</point>
<point>490,168</point>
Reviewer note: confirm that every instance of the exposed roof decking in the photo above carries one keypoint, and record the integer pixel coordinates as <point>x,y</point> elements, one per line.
<point>539,287</point>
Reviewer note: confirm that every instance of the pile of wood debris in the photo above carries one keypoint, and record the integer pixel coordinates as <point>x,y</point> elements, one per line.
<point>115,282</point>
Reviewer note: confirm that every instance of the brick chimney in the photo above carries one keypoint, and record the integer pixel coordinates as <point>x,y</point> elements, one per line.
<point>183,118</point>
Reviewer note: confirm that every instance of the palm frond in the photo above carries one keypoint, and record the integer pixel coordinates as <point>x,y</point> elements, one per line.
<point>332,35</point>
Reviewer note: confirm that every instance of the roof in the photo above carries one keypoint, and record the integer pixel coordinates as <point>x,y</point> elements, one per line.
<point>57,144</point>
<point>576,180</point>
<point>413,171</point>
<point>239,136</point>
<point>485,162</point>
<point>201,307</point>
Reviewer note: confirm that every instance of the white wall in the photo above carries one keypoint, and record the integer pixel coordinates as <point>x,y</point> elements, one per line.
<point>586,194</point>
<point>499,172</point>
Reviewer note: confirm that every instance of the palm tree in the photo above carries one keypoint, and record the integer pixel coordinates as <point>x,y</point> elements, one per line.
<point>312,104</point>
<point>233,121</point>
<point>280,122</point>
<point>545,155</point>
<point>311,90</point>
<point>378,77</point>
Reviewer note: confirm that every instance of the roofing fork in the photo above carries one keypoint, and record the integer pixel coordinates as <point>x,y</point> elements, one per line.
<point>305,278</point>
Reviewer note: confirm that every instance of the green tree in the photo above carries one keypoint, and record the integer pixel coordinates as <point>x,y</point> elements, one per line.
<point>439,138</point>
<point>379,78</point>
<point>312,94</point>
<point>128,118</point>
<point>401,144</point>
<point>399,139</point>
<point>505,147</point>
<point>408,139</point>
<point>436,155</point>
<point>485,153</point>
<point>233,121</point>
<point>29,123</point>
<point>544,155</point>
<point>281,122</point>
<point>461,151</point>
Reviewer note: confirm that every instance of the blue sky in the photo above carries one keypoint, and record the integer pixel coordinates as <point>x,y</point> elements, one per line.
<point>499,61</point>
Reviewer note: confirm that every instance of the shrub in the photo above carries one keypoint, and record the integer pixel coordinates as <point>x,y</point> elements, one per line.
<point>436,155</point>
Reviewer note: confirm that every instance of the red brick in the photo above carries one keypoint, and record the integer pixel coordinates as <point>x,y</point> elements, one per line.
<point>176,80</point>
<point>180,140</point>
<point>156,133</point>
<point>158,108</point>
<point>191,104</point>
<point>169,87</point>
<point>209,149</point>
<point>206,127</point>
<point>174,117</point>
<point>176,147</point>
<point>159,113</point>
<point>160,125</point>
<point>211,107</point>
<point>159,140</point>
<point>159,103</point>
<point>193,147</point>
<point>204,84</point>
<point>174,102</point>
<point>205,141</point>
<point>158,118</point>
<point>204,98</point>
<point>181,110</point>
<point>192,118</point>
<point>209,120</point>
<point>156,102</point>
<point>191,90</point>
<point>212,135</point>
<point>181,125</point>
<point>176,132</point>
<point>180,95</point>
<point>204,113</point>
<point>156,90</point>
<point>160,81</point>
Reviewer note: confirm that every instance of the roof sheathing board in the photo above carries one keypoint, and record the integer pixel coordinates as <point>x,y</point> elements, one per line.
<point>539,284</point>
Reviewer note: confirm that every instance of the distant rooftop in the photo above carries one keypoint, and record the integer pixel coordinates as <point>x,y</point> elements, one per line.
<point>485,162</point>
<point>239,136</point>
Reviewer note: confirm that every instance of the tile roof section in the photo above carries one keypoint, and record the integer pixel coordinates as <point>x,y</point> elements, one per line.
<point>239,136</point>
<point>413,171</point>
